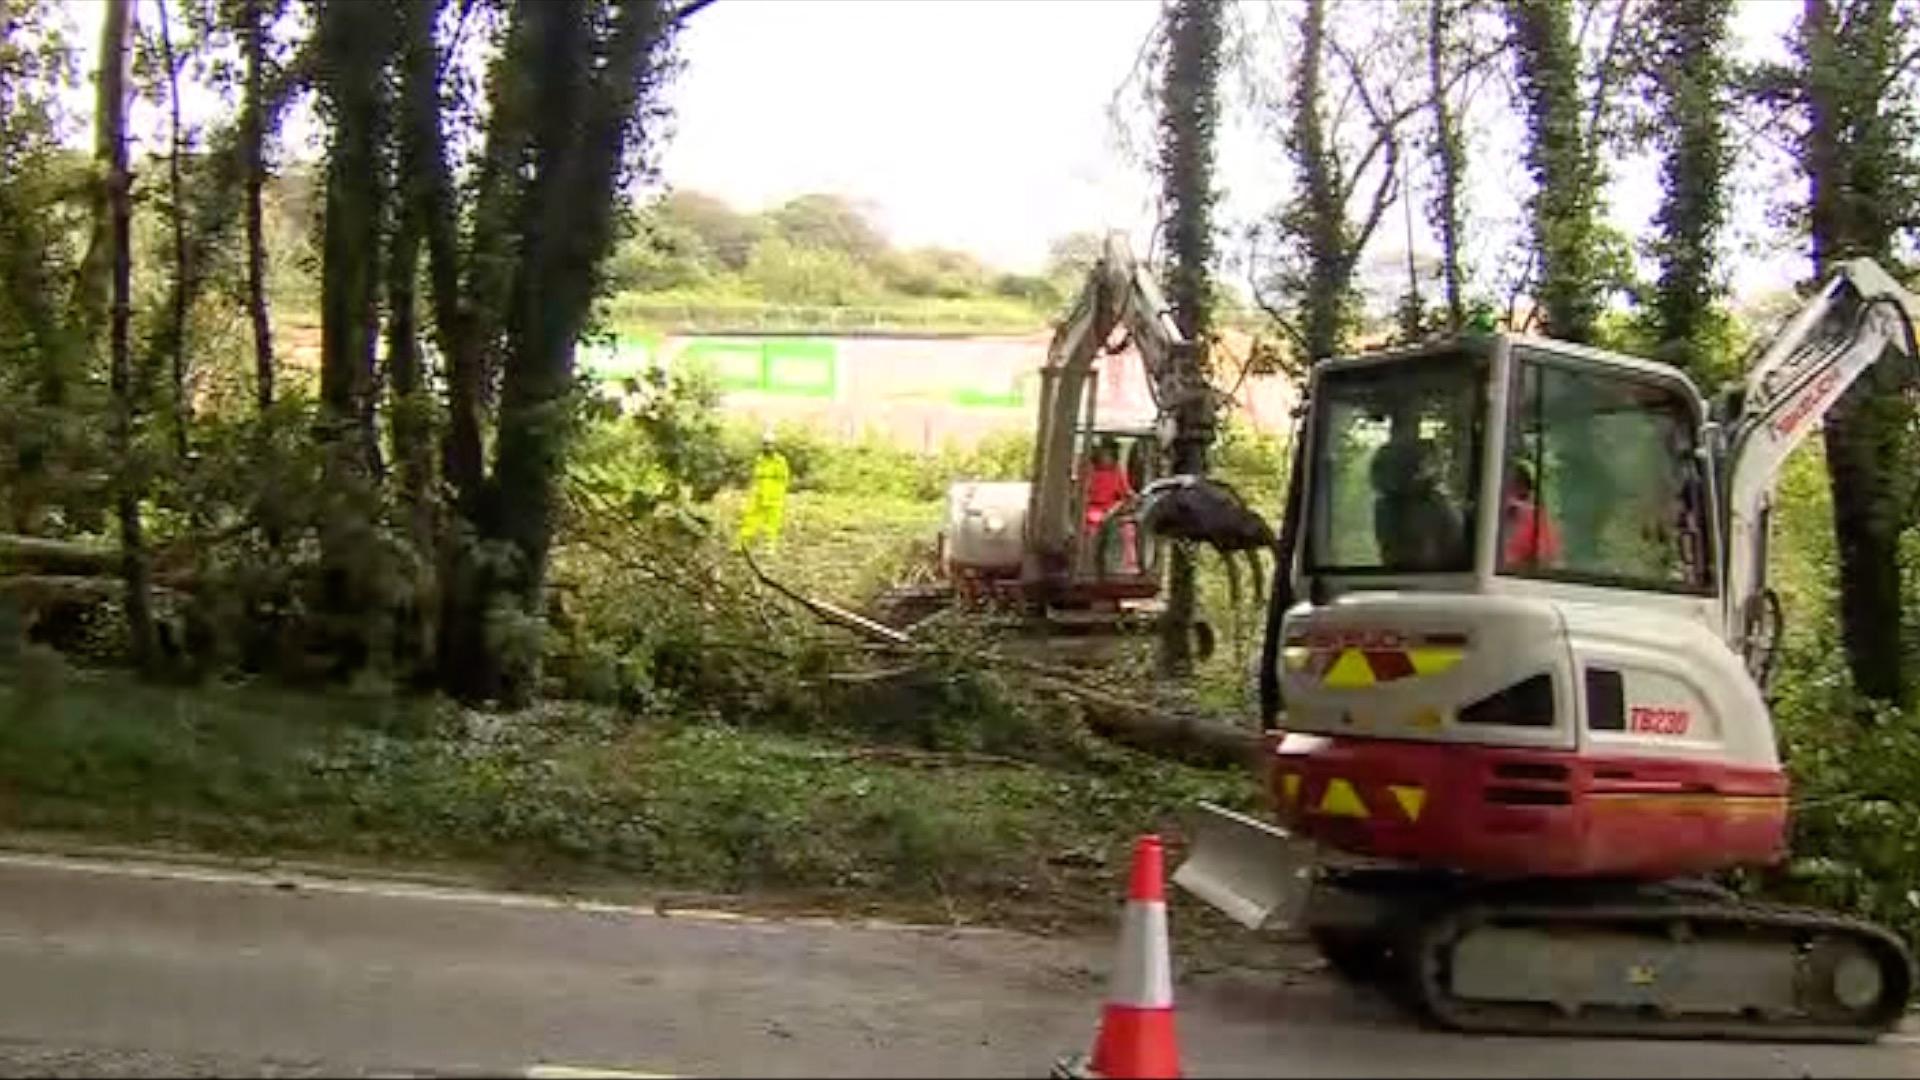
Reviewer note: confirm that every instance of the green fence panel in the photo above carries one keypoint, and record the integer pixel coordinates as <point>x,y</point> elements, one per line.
<point>801,367</point>
<point>736,365</point>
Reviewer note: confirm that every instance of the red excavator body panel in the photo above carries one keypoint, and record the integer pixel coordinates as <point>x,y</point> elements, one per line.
<point>1508,812</point>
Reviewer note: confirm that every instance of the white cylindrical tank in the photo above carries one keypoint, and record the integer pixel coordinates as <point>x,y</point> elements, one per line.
<point>986,524</point>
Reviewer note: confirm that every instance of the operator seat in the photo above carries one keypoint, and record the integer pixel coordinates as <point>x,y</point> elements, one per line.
<point>1414,525</point>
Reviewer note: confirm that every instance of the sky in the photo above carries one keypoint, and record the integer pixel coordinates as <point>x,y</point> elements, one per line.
<point>987,126</point>
<point>978,124</point>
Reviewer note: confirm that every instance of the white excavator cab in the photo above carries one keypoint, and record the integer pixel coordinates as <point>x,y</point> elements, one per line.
<point>1505,464</point>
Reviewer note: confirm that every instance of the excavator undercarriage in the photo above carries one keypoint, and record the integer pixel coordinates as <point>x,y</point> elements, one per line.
<point>1676,960</point>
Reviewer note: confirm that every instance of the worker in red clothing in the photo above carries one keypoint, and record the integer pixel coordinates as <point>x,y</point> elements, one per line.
<point>1107,487</point>
<point>1532,540</point>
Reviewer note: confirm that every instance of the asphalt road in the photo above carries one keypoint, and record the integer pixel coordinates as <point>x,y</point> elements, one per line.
<point>124,969</point>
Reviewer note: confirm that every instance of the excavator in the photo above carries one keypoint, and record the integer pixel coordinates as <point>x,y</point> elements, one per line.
<point>1513,684</point>
<point>1023,545</point>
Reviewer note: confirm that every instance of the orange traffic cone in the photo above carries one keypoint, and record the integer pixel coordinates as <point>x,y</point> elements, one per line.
<point>1136,1025</point>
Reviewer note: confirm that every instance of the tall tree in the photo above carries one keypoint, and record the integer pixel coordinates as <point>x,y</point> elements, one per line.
<point>574,95</point>
<point>176,358</point>
<point>1863,181</point>
<point>355,39</point>
<point>116,54</point>
<point>1691,79</point>
<point>1561,157</point>
<point>354,43</point>
<point>52,302</point>
<point>1190,109</point>
<point>1346,169</point>
<point>1448,153</point>
<point>419,168</point>
<point>254,19</point>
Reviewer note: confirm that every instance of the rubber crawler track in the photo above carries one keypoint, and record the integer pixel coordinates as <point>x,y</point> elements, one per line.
<point>1423,974</point>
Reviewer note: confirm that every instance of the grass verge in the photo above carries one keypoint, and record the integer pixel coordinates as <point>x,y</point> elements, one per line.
<point>568,795</point>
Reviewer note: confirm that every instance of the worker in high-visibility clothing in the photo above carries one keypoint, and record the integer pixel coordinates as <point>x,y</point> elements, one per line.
<point>766,496</point>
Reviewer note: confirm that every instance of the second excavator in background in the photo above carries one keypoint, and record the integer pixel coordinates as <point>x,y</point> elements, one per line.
<point>1046,548</point>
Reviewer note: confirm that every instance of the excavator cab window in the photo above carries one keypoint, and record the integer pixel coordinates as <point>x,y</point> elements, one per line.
<point>1602,481</point>
<point>1394,453</point>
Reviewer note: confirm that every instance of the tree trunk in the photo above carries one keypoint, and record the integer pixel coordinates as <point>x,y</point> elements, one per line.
<point>428,202</point>
<point>177,213</point>
<point>1322,317</point>
<point>1562,163</point>
<point>589,107</point>
<point>355,40</point>
<point>1847,160</point>
<point>1691,76</point>
<point>494,237</point>
<point>1190,108</point>
<point>1449,165</point>
<point>355,36</point>
<point>411,419</point>
<point>469,301</point>
<point>116,50</point>
<point>253,139</point>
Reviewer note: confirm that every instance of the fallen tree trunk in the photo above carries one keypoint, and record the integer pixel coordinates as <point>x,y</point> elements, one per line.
<point>1195,740</point>
<point>34,554</point>
<point>43,557</point>
<point>1180,737</point>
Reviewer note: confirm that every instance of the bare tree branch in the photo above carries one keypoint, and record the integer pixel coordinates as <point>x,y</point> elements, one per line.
<point>689,10</point>
<point>1385,122</point>
<point>1383,195</point>
<point>1898,69</point>
<point>1260,300</point>
<point>1605,75</point>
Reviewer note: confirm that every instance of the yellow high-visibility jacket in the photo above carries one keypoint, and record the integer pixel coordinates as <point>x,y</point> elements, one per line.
<point>766,499</point>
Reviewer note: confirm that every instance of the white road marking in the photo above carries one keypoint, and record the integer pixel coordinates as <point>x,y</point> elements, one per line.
<point>1901,1040</point>
<point>398,890</point>
<point>577,1072</point>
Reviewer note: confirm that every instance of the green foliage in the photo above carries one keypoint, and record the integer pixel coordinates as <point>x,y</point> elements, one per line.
<point>829,223</point>
<point>937,272</point>
<point>1561,158</point>
<point>660,445</point>
<point>1717,344</point>
<point>813,264</point>
<point>52,451</point>
<point>1856,814</point>
<point>1253,462</point>
<point>569,791</point>
<point>786,273</point>
<point>1189,113</point>
<point>874,466</point>
<point>724,307</point>
<point>1691,78</point>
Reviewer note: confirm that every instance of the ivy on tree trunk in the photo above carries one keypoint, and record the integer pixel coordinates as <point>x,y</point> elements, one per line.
<point>355,40</point>
<point>1691,78</point>
<point>253,138</point>
<point>116,51</point>
<point>1449,162</point>
<point>1190,109</point>
<point>1561,158</point>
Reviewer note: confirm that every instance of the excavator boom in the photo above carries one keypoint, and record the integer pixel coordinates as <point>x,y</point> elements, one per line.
<point>1118,293</point>
<point>1859,317</point>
